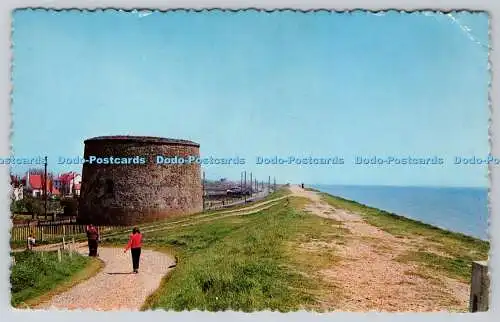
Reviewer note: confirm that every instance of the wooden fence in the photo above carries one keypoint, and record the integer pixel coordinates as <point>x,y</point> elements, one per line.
<point>222,203</point>
<point>49,231</point>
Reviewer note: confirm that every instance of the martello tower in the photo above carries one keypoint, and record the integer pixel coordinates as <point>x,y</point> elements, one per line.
<point>127,194</point>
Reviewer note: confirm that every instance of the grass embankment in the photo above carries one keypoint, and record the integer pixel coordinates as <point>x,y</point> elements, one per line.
<point>205,216</point>
<point>36,277</point>
<point>250,262</point>
<point>439,251</point>
<point>282,192</point>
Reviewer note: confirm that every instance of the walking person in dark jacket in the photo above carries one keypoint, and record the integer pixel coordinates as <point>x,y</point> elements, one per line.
<point>93,239</point>
<point>134,244</point>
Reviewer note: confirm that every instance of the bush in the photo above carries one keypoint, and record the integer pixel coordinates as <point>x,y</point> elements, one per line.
<point>34,205</point>
<point>17,206</point>
<point>28,204</point>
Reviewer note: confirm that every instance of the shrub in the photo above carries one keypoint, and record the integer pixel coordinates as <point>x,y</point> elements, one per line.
<point>17,206</point>
<point>27,204</point>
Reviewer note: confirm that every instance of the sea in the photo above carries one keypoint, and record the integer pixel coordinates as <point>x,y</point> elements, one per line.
<point>463,210</point>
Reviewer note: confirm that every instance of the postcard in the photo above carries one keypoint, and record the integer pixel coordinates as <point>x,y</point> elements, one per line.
<point>248,160</point>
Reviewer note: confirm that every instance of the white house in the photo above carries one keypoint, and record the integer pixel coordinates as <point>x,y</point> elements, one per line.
<point>76,184</point>
<point>69,183</point>
<point>17,193</point>
<point>34,184</point>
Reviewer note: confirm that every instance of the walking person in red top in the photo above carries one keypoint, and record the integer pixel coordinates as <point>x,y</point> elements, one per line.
<point>134,244</point>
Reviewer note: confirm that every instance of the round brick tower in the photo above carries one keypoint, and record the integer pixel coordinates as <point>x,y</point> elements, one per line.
<point>141,190</point>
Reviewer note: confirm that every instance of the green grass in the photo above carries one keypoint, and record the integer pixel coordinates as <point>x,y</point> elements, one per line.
<point>281,192</point>
<point>460,250</point>
<point>34,275</point>
<point>251,262</point>
<point>457,268</point>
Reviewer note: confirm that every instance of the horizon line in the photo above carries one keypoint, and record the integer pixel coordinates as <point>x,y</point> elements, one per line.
<point>396,185</point>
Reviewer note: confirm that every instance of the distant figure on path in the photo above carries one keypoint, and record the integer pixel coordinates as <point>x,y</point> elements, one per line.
<point>134,244</point>
<point>30,242</point>
<point>93,239</point>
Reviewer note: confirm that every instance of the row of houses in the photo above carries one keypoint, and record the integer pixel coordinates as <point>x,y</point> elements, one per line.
<point>32,183</point>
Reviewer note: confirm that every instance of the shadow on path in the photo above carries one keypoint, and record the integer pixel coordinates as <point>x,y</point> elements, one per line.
<point>119,273</point>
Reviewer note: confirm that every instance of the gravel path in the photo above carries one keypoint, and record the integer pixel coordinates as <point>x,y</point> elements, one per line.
<point>116,287</point>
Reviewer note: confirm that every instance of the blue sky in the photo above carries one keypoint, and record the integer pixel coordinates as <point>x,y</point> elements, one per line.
<point>248,83</point>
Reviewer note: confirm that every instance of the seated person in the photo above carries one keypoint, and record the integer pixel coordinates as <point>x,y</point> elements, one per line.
<point>31,241</point>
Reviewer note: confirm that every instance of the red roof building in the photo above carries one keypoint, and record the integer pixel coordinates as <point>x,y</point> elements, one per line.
<point>68,183</point>
<point>65,184</point>
<point>34,184</point>
<point>35,181</point>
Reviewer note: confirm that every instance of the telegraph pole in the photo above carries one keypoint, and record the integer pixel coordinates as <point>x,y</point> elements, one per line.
<point>251,186</point>
<point>45,188</point>
<point>269,185</point>
<point>245,190</point>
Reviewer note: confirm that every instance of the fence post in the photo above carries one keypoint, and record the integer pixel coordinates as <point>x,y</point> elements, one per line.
<point>59,258</point>
<point>63,244</point>
<point>41,233</point>
<point>480,287</point>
